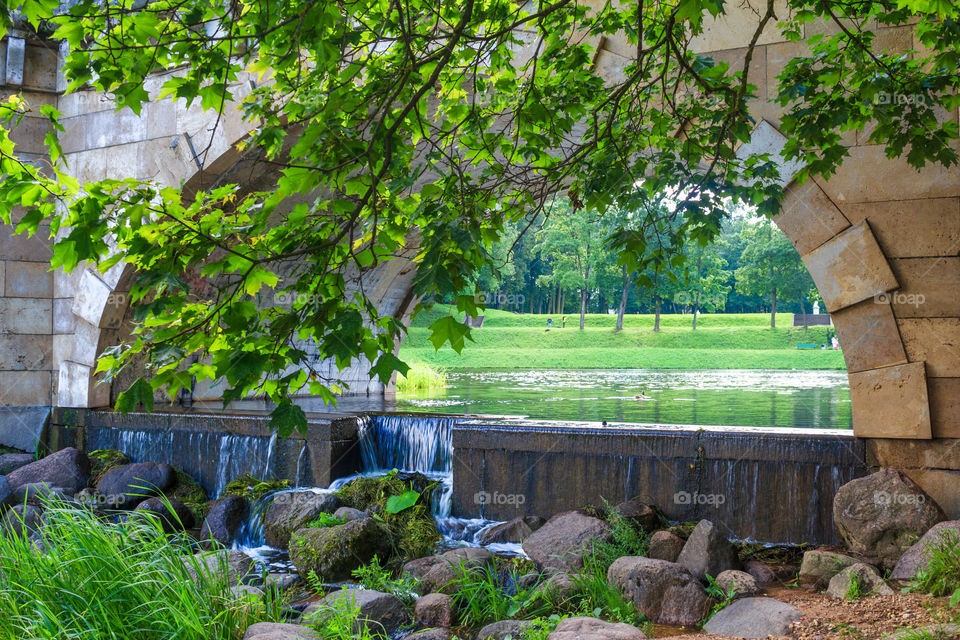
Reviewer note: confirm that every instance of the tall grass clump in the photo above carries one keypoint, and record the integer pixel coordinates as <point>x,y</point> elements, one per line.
<point>421,377</point>
<point>96,580</point>
<point>941,575</point>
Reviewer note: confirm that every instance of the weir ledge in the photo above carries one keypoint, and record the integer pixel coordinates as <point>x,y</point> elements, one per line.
<point>768,485</point>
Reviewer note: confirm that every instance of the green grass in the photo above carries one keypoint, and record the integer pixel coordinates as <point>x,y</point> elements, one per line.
<point>421,377</point>
<point>96,581</point>
<point>721,341</point>
<point>941,575</point>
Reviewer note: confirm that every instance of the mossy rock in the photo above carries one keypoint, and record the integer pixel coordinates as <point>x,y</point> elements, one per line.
<point>413,531</point>
<point>103,460</point>
<point>332,553</point>
<point>253,488</point>
<point>191,494</point>
<point>4,449</point>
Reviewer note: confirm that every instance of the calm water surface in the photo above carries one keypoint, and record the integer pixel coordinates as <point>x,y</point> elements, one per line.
<point>755,398</point>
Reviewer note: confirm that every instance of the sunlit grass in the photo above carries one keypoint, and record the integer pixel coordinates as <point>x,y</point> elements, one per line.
<point>421,377</point>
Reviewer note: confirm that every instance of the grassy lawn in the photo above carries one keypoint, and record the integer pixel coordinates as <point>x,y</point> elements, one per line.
<point>721,341</point>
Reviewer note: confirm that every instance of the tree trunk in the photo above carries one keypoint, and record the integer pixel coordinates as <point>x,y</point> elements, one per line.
<point>656,318</point>
<point>803,311</point>
<point>583,306</point>
<point>773,308</point>
<point>623,300</point>
<point>696,309</point>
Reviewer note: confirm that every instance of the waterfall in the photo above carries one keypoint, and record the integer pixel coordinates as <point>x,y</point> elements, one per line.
<point>410,443</point>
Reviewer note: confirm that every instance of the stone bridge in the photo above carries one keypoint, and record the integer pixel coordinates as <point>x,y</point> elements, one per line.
<point>881,240</point>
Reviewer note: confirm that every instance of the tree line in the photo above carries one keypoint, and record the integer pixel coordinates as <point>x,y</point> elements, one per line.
<point>566,265</point>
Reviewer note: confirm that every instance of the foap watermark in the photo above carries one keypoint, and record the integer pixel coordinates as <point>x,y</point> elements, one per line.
<point>902,299</point>
<point>291,299</point>
<point>696,498</point>
<point>886,499</point>
<point>689,299</point>
<point>498,299</point>
<point>485,497</point>
<point>901,99</point>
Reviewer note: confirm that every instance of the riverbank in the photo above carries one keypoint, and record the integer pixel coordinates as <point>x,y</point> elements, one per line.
<point>721,341</point>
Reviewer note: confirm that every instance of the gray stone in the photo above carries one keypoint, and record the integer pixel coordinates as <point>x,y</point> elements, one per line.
<point>441,573</point>
<point>857,581</point>
<point>641,514</point>
<point>583,628</point>
<point>707,551</point>
<point>349,513</point>
<point>435,610</point>
<point>915,558</point>
<point>753,618</point>
<point>223,521</point>
<point>502,629</point>
<point>421,566</point>
<point>38,493</point>
<point>173,515</point>
<point>21,520</point>
<point>431,634</point>
<point>10,462</point>
<point>67,468</point>
<point>246,592</point>
<point>664,592</point>
<point>278,631</point>
<point>127,486</point>
<point>740,583</point>
<point>291,510</point>
<point>23,427</point>
<point>561,543</point>
<point>516,530</point>
<point>558,588</point>
<point>665,545</point>
<point>236,566</point>
<point>381,613</point>
<point>281,581</point>
<point>818,567</point>
<point>883,514</point>
<point>334,552</point>
<point>5,491</point>
<point>761,572</point>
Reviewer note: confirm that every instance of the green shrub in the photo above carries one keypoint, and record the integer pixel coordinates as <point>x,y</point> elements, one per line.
<point>373,576</point>
<point>339,620</point>
<point>421,377</point>
<point>628,540</point>
<point>941,575</point>
<point>253,488</point>
<point>325,520</point>
<point>101,581</point>
<point>597,597</point>
<point>480,598</point>
<point>722,597</point>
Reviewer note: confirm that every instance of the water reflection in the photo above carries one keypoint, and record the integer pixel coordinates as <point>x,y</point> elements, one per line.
<point>757,398</point>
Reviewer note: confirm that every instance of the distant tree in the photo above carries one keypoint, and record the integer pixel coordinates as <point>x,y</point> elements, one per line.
<point>705,278</point>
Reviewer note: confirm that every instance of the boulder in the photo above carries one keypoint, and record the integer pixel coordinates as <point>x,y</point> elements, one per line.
<point>39,494</point>
<point>915,558</point>
<point>558,588</point>
<point>5,492</point>
<point>740,583</point>
<point>173,515</point>
<point>516,530</point>
<point>280,581</point>
<point>223,521</point>
<point>753,618</point>
<point>381,613</point>
<point>247,592</point>
<point>334,552</point>
<point>883,514</point>
<point>857,581</point>
<point>67,468</point>
<point>349,513</point>
<point>665,545</point>
<point>503,629</point>
<point>421,566</point>
<point>530,579</point>
<point>21,520</point>
<point>640,514</point>
<point>583,628</point>
<point>431,634</point>
<point>707,551</point>
<point>279,631</point>
<point>818,567</point>
<point>561,543</point>
<point>291,510</point>
<point>761,572</point>
<point>10,462</point>
<point>449,567</point>
<point>236,566</point>
<point>664,592</point>
<point>435,610</point>
<point>127,486</point>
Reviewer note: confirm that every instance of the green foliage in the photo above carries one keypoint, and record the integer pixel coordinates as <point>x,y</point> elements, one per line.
<point>102,460</point>
<point>191,494</point>
<point>396,504</point>
<point>373,576</point>
<point>95,578</point>
<point>480,598</point>
<point>541,628</point>
<point>627,540</point>
<point>421,377</point>
<point>340,620</point>
<point>597,597</point>
<point>855,588</point>
<point>325,520</point>
<point>253,488</point>
<point>722,597</point>
<point>941,575</point>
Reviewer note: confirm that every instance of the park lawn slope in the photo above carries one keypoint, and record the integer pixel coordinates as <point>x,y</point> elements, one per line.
<point>721,341</point>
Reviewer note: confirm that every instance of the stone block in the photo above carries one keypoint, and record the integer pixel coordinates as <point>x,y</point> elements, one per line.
<point>940,453</point>
<point>25,388</point>
<point>943,485</point>
<point>28,135</point>
<point>945,408</point>
<point>891,402</point>
<point>868,335</point>
<point>808,217</point>
<point>928,287</point>
<point>767,140</point>
<point>25,315</point>
<point>35,248</point>
<point>92,302</point>
<point>850,268</point>
<point>28,280</point>
<point>40,68</point>
<point>78,388</point>
<point>935,341</point>
<point>734,28</point>
<point>912,228</point>
<point>26,353</point>
<point>867,175</point>
<point>63,319</point>
<point>23,427</point>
